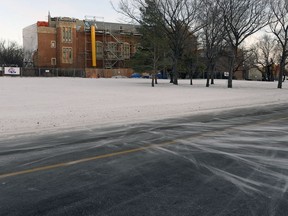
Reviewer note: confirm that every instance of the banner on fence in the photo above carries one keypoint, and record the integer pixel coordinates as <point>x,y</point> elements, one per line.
<point>11,70</point>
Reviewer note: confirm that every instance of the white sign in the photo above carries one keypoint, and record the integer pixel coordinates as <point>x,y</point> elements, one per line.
<point>11,70</point>
<point>226,74</point>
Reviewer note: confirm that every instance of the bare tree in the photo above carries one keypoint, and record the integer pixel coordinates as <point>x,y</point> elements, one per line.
<point>212,35</point>
<point>250,60</point>
<point>179,20</point>
<point>10,53</point>
<point>265,50</point>
<point>242,18</point>
<point>279,27</point>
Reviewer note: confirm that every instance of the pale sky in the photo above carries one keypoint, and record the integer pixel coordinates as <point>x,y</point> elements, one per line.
<point>18,14</point>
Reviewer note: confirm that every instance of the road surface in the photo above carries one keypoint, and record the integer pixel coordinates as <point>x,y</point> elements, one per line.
<point>217,164</point>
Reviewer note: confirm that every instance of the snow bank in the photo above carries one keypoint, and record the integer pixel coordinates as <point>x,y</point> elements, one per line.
<point>45,104</point>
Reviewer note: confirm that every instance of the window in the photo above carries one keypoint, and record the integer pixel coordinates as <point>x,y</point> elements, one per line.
<point>67,34</point>
<point>53,61</point>
<point>67,55</point>
<point>53,44</point>
<point>126,53</point>
<point>99,46</point>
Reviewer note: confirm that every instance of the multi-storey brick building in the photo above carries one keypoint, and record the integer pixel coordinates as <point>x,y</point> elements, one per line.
<point>90,45</point>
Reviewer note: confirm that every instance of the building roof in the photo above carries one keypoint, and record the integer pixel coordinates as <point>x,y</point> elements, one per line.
<point>100,25</point>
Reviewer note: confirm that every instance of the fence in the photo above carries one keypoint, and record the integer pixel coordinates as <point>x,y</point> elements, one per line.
<point>52,72</point>
<point>85,73</point>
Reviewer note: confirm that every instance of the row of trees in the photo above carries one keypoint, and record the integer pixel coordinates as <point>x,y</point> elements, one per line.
<point>10,53</point>
<point>170,29</point>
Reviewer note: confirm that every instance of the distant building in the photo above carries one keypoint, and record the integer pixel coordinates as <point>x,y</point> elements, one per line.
<point>254,74</point>
<point>88,44</point>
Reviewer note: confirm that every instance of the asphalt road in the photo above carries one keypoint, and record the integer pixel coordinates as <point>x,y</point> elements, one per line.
<point>230,163</point>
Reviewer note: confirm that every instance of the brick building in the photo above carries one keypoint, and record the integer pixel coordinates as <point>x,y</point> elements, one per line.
<point>90,45</point>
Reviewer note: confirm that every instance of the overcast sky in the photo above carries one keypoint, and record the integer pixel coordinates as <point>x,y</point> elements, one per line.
<point>17,14</point>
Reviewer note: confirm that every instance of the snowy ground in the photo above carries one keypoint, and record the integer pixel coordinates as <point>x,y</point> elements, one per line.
<point>42,105</point>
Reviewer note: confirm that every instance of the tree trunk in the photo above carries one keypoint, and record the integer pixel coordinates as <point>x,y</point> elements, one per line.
<point>175,81</point>
<point>152,83</point>
<point>230,80</point>
<point>208,76</point>
<point>210,71</point>
<point>231,71</point>
<point>171,76</point>
<point>212,79</point>
<point>190,76</point>
<point>281,72</point>
<point>212,74</point>
<point>207,81</point>
<point>175,72</point>
<point>267,75</point>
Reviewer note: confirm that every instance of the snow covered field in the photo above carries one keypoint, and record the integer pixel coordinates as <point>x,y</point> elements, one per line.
<point>42,105</point>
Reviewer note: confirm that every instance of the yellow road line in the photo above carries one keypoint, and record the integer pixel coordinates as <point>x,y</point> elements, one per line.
<point>70,163</point>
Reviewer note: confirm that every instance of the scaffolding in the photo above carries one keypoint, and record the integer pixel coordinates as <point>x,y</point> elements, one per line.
<point>113,48</point>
